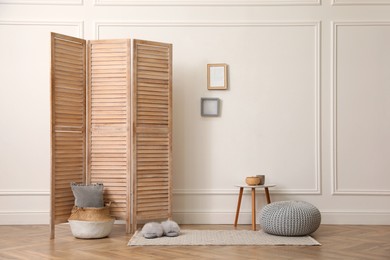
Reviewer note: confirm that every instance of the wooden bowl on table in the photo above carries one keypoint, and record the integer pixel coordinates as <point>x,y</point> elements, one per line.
<point>252,180</point>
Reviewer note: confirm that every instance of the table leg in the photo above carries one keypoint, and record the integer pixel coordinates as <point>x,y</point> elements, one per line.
<point>238,206</point>
<point>267,195</point>
<point>253,209</point>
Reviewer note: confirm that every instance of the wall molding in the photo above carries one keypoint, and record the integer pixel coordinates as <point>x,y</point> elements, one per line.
<point>159,23</point>
<point>234,192</point>
<point>78,24</point>
<point>317,84</point>
<point>179,192</point>
<point>327,217</point>
<point>336,190</point>
<point>205,2</point>
<point>15,192</point>
<point>42,2</point>
<point>365,2</point>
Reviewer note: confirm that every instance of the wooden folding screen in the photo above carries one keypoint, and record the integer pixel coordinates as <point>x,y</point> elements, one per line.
<point>109,122</point>
<point>125,139</point>
<point>152,126</point>
<point>67,123</point>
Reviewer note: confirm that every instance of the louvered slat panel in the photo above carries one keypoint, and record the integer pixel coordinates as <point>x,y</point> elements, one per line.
<point>152,108</point>
<point>67,123</point>
<point>109,121</point>
<point>151,81</point>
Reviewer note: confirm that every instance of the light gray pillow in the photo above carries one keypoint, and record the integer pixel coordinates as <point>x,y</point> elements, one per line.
<point>88,196</point>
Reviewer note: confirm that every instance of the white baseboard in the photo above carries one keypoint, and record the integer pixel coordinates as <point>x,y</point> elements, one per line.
<point>355,218</point>
<point>24,218</point>
<point>328,217</point>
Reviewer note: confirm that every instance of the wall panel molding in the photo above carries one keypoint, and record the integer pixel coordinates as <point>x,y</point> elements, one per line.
<point>336,189</point>
<point>42,2</point>
<point>315,24</point>
<point>234,192</point>
<point>361,2</point>
<point>77,24</point>
<point>24,193</point>
<point>206,3</point>
<point>185,192</point>
<point>317,84</point>
<point>327,217</point>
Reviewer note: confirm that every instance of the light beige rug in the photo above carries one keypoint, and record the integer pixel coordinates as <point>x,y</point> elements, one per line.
<point>221,237</point>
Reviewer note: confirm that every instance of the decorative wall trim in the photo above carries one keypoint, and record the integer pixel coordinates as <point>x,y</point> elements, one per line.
<point>365,2</point>
<point>42,2</point>
<point>234,192</point>
<point>336,190</point>
<point>317,83</point>
<point>78,24</point>
<point>327,217</point>
<point>24,193</point>
<point>205,2</point>
<point>315,24</point>
<point>318,119</point>
<point>179,192</point>
<point>359,192</point>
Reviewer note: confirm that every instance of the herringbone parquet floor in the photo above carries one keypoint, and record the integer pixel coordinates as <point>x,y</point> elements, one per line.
<point>338,242</point>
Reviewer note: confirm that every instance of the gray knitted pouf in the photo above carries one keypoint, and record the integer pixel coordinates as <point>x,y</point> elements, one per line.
<point>290,218</point>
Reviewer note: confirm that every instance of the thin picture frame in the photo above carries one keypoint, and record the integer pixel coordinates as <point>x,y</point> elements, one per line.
<point>217,78</point>
<point>210,107</point>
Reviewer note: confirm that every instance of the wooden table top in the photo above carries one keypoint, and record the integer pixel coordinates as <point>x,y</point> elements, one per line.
<point>255,186</point>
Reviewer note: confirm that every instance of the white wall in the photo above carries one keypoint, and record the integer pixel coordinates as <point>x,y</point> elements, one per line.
<point>308,103</point>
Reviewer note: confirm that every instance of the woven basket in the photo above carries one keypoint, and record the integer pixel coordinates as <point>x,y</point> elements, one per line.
<point>91,214</point>
<point>91,222</point>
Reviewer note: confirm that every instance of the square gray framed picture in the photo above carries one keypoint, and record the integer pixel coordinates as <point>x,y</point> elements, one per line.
<point>210,107</point>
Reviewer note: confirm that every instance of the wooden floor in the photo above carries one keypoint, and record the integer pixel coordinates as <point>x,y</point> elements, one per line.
<point>338,242</point>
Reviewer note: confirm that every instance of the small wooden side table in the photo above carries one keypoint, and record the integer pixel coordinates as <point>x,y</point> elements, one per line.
<point>253,187</point>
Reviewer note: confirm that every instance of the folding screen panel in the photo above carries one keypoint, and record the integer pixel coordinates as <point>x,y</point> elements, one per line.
<point>152,130</point>
<point>124,143</point>
<point>109,122</point>
<point>67,123</point>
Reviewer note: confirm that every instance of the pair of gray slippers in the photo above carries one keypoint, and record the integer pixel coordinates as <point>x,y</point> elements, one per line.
<point>167,228</point>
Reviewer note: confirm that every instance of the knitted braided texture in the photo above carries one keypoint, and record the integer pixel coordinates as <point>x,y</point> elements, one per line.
<point>290,218</point>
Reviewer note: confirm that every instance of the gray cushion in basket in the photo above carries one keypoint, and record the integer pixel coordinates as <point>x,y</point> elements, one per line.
<point>88,195</point>
<point>290,218</point>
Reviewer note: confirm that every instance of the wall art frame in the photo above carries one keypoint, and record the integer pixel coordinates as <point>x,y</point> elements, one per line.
<point>217,76</point>
<point>210,107</point>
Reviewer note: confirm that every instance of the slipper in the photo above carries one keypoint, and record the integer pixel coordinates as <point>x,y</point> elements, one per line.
<point>171,228</point>
<point>152,230</point>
